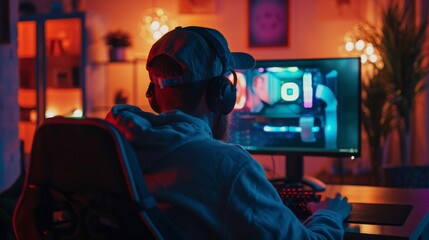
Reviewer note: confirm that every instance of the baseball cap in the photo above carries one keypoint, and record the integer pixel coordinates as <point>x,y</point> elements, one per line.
<point>193,49</point>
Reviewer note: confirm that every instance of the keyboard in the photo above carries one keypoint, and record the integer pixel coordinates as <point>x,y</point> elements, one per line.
<point>296,196</point>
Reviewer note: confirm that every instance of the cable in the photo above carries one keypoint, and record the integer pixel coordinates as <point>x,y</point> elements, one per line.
<point>273,163</point>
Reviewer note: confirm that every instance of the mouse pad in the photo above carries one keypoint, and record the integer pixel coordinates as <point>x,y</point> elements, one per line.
<point>379,213</point>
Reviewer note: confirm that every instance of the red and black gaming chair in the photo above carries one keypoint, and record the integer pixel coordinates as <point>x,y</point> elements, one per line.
<point>84,182</point>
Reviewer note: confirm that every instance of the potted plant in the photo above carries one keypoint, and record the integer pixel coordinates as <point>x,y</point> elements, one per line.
<point>403,48</point>
<point>390,98</point>
<point>117,41</point>
<point>392,81</point>
<point>376,119</point>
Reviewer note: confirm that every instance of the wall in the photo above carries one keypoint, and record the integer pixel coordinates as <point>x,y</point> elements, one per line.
<point>316,28</point>
<point>421,128</point>
<point>424,14</point>
<point>9,142</point>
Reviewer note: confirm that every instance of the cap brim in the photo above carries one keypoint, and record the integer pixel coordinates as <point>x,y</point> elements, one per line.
<point>242,61</point>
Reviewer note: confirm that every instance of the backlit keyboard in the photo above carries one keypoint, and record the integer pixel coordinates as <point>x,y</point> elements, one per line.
<point>295,196</point>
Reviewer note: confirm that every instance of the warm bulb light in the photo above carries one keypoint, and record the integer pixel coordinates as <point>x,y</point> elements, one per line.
<point>157,35</point>
<point>164,29</point>
<point>164,18</point>
<point>349,46</point>
<point>360,45</point>
<point>159,12</point>
<point>50,113</point>
<point>369,49</point>
<point>77,113</point>
<point>373,58</point>
<point>155,23</point>
<point>33,116</point>
<point>363,58</point>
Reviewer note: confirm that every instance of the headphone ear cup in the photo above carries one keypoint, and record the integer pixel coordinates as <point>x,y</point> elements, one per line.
<point>221,95</point>
<point>150,95</point>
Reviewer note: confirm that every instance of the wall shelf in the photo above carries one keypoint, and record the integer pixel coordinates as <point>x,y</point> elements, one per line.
<point>116,76</point>
<point>52,62</point>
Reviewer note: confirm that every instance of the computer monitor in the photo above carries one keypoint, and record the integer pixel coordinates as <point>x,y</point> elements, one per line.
<point>299,107</point>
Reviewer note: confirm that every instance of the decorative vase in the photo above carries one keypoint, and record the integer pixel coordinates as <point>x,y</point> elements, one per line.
<point>121,97</point>
<point>117,54</point>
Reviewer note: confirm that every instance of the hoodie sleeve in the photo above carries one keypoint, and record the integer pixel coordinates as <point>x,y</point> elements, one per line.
<point>127,119</point>
<point>254,205</point>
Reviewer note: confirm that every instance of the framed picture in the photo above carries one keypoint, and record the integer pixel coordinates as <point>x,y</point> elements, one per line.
<point>268,23</point>
<point>197,6</point>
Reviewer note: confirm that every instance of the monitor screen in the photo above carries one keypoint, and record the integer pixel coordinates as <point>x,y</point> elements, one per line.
<point>301,107</point>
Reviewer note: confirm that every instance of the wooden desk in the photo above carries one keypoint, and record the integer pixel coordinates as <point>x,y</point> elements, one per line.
<point>416,227</point>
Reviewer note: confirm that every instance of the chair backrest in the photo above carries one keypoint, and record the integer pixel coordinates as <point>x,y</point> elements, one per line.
<point>85,182</point>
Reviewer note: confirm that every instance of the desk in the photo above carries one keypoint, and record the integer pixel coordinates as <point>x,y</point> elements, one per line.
<point>416,227</point>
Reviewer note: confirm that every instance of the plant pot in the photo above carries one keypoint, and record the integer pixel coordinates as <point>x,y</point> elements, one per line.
<point>117,54</point>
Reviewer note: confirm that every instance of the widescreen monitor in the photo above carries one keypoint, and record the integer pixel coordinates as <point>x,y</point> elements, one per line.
<point>304,107</point>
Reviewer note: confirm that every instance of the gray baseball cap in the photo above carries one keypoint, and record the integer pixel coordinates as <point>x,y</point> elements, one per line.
<point>193,49</point>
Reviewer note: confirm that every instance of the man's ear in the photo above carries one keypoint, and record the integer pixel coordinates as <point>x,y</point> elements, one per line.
<point>151,97</point>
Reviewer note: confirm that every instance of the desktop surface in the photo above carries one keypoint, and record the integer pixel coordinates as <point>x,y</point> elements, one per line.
<point>415,207</point>
<point>379,213</point>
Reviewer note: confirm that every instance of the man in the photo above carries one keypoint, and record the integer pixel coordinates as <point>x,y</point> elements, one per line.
<point>208,188</point>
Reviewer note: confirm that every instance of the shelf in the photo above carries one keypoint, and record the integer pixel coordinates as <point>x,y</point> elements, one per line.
<point>56,15</point>
<point>131,61</point>
<point>52,63</point>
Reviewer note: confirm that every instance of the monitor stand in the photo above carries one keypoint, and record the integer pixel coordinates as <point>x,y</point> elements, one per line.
<point>295,173</point>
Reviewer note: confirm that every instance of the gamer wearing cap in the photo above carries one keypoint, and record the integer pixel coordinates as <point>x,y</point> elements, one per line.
<point>208,188</point>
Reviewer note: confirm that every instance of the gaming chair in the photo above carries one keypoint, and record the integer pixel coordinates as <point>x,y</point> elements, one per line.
<point>85,182</point>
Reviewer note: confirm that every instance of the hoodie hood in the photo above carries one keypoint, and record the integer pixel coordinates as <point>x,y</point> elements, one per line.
<point>155,136</point>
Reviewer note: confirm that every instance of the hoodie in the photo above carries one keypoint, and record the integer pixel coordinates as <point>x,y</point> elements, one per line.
<point>208,188</point>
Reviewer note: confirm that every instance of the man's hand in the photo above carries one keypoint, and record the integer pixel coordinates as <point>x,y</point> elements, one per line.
<point>337,204</point>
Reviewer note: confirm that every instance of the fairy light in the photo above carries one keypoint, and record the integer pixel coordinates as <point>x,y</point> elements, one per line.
<point>363,58</point>
<point>155,22</point>
<point>360,44</point>
<point>349,46</point>
<point>355,45</point>
<point>50,113</point>
<point>373,58</point>
<point>77,113</point>
<point>369,49</point>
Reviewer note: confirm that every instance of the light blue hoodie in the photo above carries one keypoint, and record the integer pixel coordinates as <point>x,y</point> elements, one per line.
<point>210,189</point>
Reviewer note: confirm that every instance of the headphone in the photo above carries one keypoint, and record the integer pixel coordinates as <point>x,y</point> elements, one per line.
<point>221,93</point>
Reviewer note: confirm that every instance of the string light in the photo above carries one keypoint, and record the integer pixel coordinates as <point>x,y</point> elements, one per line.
<point>77,113</point>
<point>360,48</point>
<point>354,45</point>
<point>50,113</point>
<point>155,22</point>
